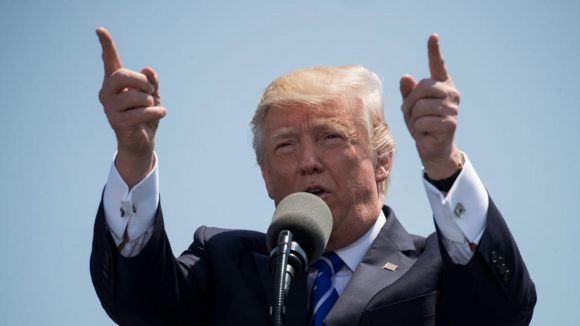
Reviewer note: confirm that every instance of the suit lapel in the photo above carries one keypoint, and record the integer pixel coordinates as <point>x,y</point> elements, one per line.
<point>369,277</point>
<point>295,300</point>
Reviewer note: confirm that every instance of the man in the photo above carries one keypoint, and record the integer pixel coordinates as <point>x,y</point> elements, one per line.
<point>319,130</point>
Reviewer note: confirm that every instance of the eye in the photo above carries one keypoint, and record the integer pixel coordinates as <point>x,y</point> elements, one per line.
<point>331,138</point>
<point>283,147</point>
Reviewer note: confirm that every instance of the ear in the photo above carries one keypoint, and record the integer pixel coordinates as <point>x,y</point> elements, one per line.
<point>383,169</point>
<point>266,177</point>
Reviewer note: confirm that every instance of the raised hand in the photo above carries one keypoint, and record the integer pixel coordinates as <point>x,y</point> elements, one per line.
<point>131,102</point>
<point>430,110</point>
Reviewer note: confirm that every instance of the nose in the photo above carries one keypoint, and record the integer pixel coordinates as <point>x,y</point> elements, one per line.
<point>309,160</point>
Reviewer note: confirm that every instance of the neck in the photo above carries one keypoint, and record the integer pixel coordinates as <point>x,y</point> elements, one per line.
<point>347,233</point>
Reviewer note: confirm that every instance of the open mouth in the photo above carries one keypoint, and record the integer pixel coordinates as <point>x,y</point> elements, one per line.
<point>318,191</point>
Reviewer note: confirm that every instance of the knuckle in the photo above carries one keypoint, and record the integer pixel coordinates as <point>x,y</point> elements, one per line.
<point>117,73</point>
<point>149,100</point>
<point>102,96</point>
<point>124,71</point>
<point>451,123</point>
<point>452,128</point>
<point>121,73</point>
<point>454,109</point>
<point>454,95</point>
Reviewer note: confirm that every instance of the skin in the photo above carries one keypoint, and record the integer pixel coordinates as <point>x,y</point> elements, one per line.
<point>324,147</point>
<point>430,109</point>
<point>131,102</point>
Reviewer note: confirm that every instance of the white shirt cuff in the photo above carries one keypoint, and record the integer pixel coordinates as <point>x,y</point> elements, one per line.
<point>131,209</point>
<point>461,215</point>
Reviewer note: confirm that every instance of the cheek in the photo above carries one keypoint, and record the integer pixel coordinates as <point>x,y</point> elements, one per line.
<point>280,182</point>
<point>358,167</point>
<point>362,177</point>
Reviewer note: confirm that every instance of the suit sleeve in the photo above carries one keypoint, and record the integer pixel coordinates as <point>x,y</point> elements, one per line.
<point>494,287</point>
<point>154,287</point>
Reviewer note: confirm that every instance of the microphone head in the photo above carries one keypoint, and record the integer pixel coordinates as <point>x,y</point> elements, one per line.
<point>308,218</point>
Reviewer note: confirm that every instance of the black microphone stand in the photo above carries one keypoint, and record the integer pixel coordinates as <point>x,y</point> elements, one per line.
<point>289,260</point>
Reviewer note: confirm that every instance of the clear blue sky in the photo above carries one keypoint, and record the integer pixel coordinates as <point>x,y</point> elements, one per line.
<point>516,63</point>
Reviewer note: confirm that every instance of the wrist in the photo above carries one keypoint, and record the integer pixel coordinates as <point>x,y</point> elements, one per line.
<point>134,168</point>
<point>445,168</point>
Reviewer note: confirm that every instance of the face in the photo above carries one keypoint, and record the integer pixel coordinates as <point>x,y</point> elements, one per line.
<point>325,151</point>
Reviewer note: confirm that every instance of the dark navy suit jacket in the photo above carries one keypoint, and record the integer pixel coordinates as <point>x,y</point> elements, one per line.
<point>224,279</point>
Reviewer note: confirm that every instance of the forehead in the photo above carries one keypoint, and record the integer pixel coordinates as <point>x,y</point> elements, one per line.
<point>290,115</point>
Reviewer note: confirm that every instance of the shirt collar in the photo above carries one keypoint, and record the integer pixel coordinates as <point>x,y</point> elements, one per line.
<point>354,252</point>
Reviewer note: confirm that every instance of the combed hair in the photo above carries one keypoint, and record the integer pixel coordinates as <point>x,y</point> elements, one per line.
<point>322,84</point>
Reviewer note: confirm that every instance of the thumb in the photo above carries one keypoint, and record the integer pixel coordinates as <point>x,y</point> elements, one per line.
<point>406,85</point>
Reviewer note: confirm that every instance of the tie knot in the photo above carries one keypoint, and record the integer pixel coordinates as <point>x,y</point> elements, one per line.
<point>329,263</point>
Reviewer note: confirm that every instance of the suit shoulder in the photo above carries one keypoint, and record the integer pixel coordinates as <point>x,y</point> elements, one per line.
<point>421,242</point>
<point>426,246</point>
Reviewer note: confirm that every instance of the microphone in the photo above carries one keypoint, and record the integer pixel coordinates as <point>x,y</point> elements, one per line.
<point>297,235</point>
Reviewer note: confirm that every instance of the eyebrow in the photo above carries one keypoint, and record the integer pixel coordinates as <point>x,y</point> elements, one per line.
<point>319,123</point>
<point>282,132</point>
<point>350,133</point>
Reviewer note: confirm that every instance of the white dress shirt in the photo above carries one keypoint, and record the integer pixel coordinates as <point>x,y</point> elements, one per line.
<point>460,216</point>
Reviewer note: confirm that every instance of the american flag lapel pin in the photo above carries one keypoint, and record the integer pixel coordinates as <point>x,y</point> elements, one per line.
<point>390,267</point>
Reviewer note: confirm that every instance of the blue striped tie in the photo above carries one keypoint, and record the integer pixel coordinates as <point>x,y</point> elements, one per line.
<point>324,295</point>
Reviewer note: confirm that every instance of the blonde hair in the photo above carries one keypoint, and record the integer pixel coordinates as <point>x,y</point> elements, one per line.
<point>318,85</point>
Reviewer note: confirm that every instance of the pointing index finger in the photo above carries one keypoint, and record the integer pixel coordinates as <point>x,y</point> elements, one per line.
<point>436,61</point>
<point>111,60</point>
